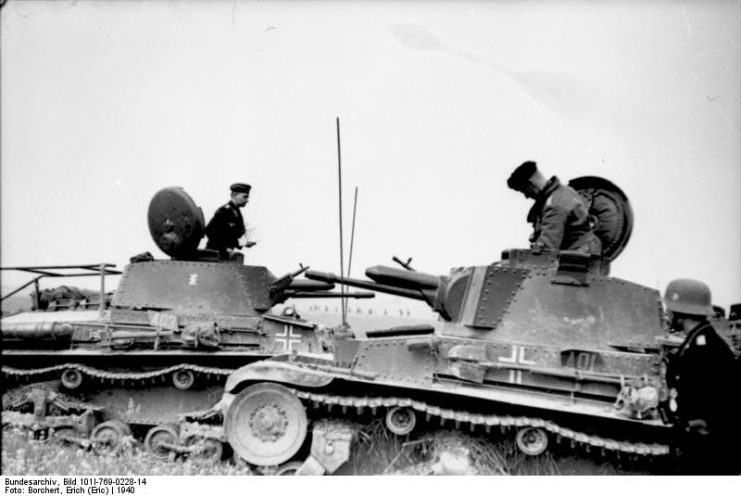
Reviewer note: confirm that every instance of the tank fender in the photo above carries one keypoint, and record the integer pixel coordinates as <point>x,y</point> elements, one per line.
<point>282,372</point>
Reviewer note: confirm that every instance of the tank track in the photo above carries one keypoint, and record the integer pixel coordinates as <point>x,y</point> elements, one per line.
<point>113,377</point>
<point>503,422</point>
<point>590,443</point>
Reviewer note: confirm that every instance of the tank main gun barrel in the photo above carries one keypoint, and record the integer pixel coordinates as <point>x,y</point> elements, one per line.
<point>417,286</point>
<point>408,279</point>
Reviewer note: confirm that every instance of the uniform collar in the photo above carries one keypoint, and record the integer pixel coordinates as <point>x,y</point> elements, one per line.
<point>699,328</point>
<point>550,186</point>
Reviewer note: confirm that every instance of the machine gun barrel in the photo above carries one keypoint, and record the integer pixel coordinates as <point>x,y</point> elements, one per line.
<point>326,294</point>
<point>416,294</point>
<point>304,285</point>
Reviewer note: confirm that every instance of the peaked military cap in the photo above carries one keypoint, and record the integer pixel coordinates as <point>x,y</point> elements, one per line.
<point>240,188</point>
<point>521,175</point>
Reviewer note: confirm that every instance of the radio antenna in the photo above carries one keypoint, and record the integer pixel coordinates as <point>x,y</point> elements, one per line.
<point>343,301</point>
<point>352,233</point>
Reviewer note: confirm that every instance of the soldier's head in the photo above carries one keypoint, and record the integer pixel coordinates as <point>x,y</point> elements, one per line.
<point>527,179</point>
<point>688,302</point>
<point>240,193</point>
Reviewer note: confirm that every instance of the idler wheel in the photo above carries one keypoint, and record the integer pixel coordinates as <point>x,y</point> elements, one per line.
<point>532,440</point>
<point>401,420</point>
<point>160,440</point>
<point>289,468</point>
<point>71,379</point>
<point>108,438</point>
<point>266,424</point>
<point>183,379</point>
<point>204,450</point>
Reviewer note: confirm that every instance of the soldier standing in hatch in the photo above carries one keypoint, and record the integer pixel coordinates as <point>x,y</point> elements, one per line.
<point>702,392</point>
<point>559,216</point>
<point>227,226</point>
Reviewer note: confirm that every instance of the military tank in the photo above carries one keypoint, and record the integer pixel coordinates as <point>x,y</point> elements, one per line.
<point>543,347</point>
<point>92,366</point>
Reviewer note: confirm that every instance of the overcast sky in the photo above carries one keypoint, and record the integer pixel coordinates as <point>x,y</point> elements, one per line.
<point>105,103</point>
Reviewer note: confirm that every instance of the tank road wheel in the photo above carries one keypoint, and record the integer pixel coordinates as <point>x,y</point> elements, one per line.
<point>289,468</point>
<point>532,440</point>
<point>266,424</point>
<point>183,379</point>
<point>71,379</point>
<point>401,420</point>
<point>108,438</point>
<point>205,450</point>
<point>160,439</point>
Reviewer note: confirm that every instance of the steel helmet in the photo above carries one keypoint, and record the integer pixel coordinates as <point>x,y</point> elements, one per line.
<point>688,296</point>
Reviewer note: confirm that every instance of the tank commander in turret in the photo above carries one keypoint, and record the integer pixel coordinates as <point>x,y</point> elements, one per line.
<point>560,218</point>
<point>699,375</point>
<point>226,231</point>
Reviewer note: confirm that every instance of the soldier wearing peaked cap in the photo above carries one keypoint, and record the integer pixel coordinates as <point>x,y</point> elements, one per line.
<point>702,393</point>
<point>227,225</point>
<point>560,217</point>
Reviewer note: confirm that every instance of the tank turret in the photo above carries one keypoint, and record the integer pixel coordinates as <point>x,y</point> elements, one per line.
<point>197,281</point>
<point>526,293</point>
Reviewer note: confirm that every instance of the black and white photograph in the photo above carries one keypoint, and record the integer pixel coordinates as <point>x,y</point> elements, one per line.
<point>250,238</point>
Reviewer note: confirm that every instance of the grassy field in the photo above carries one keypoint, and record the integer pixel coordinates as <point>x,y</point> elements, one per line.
<point>24,455</point>
<point>375,451</point>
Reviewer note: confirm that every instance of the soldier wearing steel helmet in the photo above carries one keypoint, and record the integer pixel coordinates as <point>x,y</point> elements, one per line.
<point>699,376</point>
<point>560,218</point>
<point>226,228</point>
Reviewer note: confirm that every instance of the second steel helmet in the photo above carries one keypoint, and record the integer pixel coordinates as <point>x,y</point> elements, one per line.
<point>688,296</point>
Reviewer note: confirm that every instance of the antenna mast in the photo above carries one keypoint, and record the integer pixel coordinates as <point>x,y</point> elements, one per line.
<point>352,232</point>
<point>343,300</point>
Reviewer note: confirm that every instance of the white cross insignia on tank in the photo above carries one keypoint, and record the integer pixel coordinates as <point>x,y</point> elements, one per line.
<point>518,357</point>
<point>193,280</point>
<point>288,338</point>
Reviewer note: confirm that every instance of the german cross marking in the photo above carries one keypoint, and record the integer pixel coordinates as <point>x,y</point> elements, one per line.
<point>288,338</point>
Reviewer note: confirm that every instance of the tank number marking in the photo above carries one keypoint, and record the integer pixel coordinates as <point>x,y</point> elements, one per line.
<point>517,356</point>
<point>288,338</point>
<point>580,360</point>
<point>193,280</point>
<point>163,320</point>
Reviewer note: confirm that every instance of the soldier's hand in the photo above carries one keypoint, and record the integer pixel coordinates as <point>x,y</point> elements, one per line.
<point>250,244</point>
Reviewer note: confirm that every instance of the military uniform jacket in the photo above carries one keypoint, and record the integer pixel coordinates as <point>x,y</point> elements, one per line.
<point>702,373</point>
<point>561,221</point>
<point>225,229</point>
